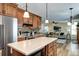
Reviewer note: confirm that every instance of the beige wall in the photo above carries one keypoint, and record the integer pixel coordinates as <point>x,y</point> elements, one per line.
<point>63,26</point>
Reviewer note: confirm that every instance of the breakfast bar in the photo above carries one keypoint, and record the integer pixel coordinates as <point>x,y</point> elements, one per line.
<point>47,46</point>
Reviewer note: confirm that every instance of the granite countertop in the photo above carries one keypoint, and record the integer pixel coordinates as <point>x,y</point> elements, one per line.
<point>28,47</point>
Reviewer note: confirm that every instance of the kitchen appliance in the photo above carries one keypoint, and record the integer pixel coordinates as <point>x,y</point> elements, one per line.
<point>8,33</point>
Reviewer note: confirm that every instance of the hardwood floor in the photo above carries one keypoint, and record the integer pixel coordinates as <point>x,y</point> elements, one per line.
<point>68,50</point>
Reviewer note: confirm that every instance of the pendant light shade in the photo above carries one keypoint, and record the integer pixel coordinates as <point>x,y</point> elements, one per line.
<point>26,13</point>
<point>46,21</point>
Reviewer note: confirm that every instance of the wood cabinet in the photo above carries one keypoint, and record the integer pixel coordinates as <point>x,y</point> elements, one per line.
<point>9,9</point>
<point>38,22</point>
<point>35,22</point>
<point>12,10</point>
<point>20,18</point>
<point>1,8</point>
<point>30,20</point>
<point>50,49</point>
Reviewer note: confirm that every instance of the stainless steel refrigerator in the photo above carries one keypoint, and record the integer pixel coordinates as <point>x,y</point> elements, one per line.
<point>8,33</point>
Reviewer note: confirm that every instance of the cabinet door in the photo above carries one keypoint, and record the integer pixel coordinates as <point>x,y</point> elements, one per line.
<point>10,9</point>
<point>35,22</point>
<point>38,22</point>
<point>20,16</point>
<point>50,49</point>
<point>5,9</point>
<point>31,19</point>
<point>1,8</point>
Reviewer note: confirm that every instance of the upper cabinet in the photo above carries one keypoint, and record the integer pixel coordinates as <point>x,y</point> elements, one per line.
<point>1,7</point>
<point>19,15</point>
<point>36,21</point>
<point>10,9</point>
<point>31,19</point>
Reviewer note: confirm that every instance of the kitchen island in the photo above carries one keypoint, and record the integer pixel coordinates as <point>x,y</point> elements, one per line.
<point>28,47</point>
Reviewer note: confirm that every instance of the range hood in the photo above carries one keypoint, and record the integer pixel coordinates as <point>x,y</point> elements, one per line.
<point>26,24</point>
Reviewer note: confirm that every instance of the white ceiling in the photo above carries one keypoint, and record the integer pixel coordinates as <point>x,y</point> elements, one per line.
<point>56,11</point>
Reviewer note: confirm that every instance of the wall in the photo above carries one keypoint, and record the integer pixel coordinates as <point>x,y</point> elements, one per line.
<point>63,26</point>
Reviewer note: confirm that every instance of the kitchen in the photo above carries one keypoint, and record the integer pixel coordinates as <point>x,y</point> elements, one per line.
<point>51,30</point>
<point>21,35</point>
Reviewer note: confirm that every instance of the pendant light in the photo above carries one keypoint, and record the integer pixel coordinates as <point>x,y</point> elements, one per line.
<point>26,13</point>
<point>71,15</point>
<point>46,21</point>
<point>70,22</point>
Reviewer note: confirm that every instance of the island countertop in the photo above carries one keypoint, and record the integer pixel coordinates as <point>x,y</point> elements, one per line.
<point>28,47</point>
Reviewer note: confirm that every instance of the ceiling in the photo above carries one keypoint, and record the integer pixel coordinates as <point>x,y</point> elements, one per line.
<point>56,11</point>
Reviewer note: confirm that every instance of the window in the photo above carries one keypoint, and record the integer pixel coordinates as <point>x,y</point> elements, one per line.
<point>46,28</point>
<point>73,28</point>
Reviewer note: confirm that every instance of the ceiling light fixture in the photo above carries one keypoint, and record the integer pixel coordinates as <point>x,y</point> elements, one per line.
<point>71,15</point>
<point>70,21</point>
<point>26,13</point>
<point>46,21</point>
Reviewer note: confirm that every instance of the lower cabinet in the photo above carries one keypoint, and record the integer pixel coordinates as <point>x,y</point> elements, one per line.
<point>50,49</point>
